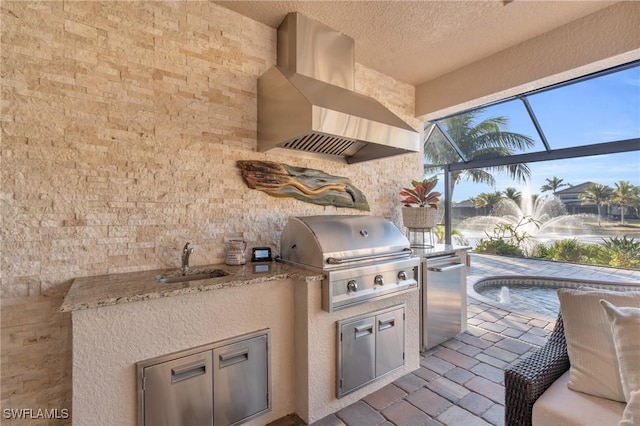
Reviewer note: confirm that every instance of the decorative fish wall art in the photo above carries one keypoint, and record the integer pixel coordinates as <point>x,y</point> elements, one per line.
<point>308,185</point>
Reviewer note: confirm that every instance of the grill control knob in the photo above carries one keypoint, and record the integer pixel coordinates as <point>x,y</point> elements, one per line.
<point>378,280</point>
<point>352,285</point>
<point>402,275</point>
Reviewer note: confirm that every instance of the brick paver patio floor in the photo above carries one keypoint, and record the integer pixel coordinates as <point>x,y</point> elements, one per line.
<point>461,382</point>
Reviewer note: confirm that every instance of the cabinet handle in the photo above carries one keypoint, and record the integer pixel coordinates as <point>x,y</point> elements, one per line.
<point>364,330</point>
<point>385,323</point>
<point>234,357</point>
<point>446,268</point>
<point>188,371</point>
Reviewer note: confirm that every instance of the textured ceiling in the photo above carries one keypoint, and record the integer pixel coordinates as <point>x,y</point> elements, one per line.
<point>416,41</point>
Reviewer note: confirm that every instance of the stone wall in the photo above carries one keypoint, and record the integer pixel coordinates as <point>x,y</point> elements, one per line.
<point>121,126</point>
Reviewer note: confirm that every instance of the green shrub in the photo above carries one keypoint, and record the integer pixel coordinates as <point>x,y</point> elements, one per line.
<point>622,245</point>
<point>620,252</point>
<point>620,260</point>
<point>594,254</point>
<point>507,239</point>
<point>567,250</point>
<point>540,251</point>
<point>615,252</point>
<point>501,247</point>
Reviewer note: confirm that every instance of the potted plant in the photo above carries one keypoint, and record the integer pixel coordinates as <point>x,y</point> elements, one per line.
<point>420,204</point>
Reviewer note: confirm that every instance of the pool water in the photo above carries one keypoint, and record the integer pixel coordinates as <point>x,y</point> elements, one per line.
<point>536,295</point>
<point>524,298</point>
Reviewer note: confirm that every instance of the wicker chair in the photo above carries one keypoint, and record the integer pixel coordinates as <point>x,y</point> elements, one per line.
<point>526,380</point>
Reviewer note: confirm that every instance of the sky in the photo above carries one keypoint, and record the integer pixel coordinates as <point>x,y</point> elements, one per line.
<point>597,110</point>
<point>606,170</point>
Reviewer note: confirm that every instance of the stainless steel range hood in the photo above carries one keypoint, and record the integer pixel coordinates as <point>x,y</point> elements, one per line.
<point>307,102</point>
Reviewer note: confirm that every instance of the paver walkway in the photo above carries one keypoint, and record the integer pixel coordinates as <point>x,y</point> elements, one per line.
<point>461,382</point>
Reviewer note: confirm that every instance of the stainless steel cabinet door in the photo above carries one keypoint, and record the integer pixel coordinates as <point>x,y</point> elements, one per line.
<point>240,380</point>
<point>178,392</point>
<point>389,341</point>
<point>357,354</point>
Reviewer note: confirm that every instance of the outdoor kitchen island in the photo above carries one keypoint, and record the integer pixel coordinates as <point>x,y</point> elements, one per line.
<point>120,320</point>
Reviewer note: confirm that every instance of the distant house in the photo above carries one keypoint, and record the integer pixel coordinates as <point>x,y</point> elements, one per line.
<point>570,197</point>
<point>463,209</point>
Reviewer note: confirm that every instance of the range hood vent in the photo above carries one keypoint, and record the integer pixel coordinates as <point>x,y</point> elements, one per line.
<point>322,144</point>
<point>307,101</point>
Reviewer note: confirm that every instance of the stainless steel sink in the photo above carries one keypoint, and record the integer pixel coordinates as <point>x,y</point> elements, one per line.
<point>196,274</point>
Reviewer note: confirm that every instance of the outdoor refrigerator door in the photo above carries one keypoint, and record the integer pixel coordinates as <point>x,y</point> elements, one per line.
<point>443,304</point>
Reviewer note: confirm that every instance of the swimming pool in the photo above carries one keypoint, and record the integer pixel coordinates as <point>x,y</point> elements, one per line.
<point>536,295</point>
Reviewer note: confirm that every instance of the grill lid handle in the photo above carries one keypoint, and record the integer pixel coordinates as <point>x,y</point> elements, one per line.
<point>335,261</point>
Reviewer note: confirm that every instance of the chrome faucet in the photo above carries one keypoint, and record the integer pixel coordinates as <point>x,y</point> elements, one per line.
<point>186,251</point>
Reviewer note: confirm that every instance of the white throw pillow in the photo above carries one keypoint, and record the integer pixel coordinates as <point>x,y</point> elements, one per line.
<point>592,354</point>
<point>631,416</point>
<point>625,328</point>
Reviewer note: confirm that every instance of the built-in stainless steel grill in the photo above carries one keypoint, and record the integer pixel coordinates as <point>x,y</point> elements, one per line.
<point>363,258</point>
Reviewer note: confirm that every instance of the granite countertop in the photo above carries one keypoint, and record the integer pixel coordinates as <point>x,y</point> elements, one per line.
<point>112,289</point>
<point>104,290</point>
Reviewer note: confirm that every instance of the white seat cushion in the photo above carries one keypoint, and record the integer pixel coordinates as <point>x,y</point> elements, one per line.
<point>561,406</point>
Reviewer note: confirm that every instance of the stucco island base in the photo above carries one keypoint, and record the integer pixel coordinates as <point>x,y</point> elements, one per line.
<point>108,342</point>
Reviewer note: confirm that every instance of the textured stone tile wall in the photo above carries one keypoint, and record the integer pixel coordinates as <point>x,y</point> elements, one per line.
<point>121,126</point>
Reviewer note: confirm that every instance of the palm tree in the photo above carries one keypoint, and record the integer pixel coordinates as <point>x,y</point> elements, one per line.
<point>513,194</point>
<point>636,199</point>
<point>477,141</point>
<point>596,193</point>
<point>534,198</point>
<point>486,200</point>
<point>624,195</point>
<point>553,185</point>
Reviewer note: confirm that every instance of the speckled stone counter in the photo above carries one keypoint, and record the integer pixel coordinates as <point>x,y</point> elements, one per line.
<point>105,290</point>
